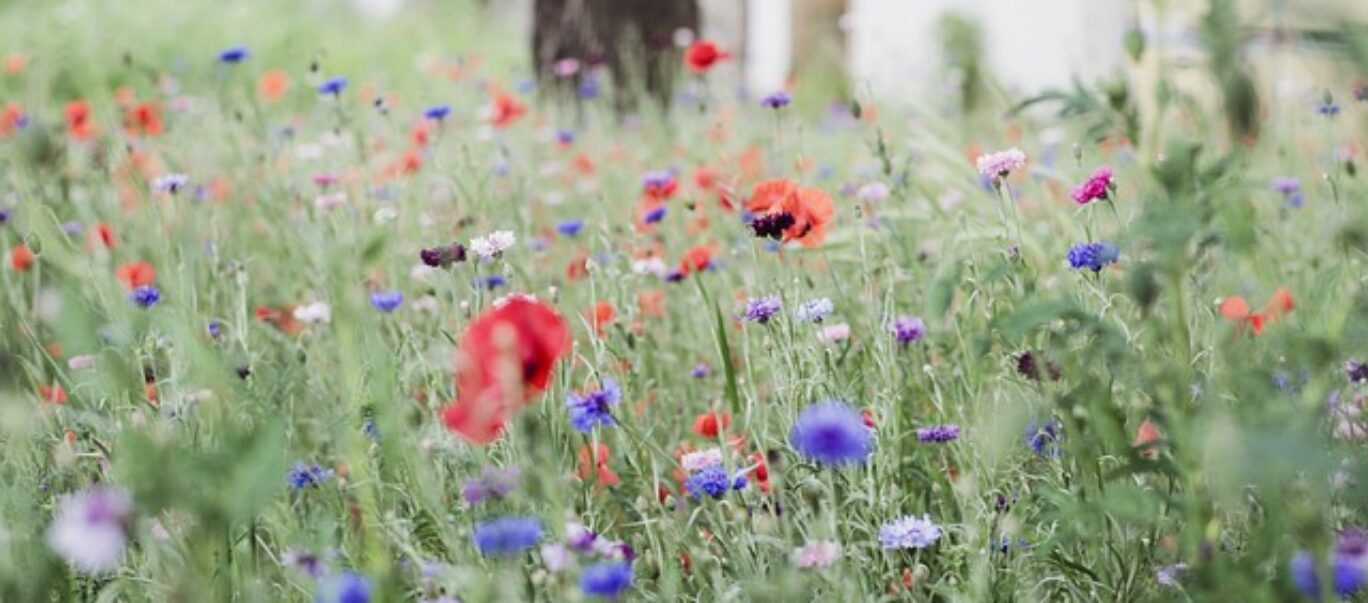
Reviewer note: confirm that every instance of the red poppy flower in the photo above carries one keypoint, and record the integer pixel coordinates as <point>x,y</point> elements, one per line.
<point>136,274</point>
<point>104,235</point>
<point>10,118</point>
<point>812,210</point>
<point>273,85</point>
<point>600,316</point>
<point>21,258</point>
<point>78,120</point>
<point>597,466</point>
<point>1146,436</point>
<point>144,119</point>
<point>652,302</point>
<point>505,357</point>
<point>710,423</point>
<point>52,393</point>
<point>507,109</point>
<point>702,55</point>
<point>1235,309</point>
<point>770,194</point>
<point>698,257</point>
<point>760,474</point>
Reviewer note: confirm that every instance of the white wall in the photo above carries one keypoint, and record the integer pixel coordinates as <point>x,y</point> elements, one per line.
<point>1029,44</point>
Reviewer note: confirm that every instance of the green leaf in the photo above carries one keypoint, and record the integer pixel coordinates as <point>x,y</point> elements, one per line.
<point>257,474</point>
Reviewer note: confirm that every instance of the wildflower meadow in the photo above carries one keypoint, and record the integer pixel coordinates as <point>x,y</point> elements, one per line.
<point>297,308</point>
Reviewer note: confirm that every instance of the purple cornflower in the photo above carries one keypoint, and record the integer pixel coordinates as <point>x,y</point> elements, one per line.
<point>594,408</point>
<point>443,255</point>
<point>88,529</point>
<point>570,228</point>
<point>1290,189</point>
<point>306,562</point>
<point>992,166</point>
<point>386,301</point>
<point>346,587</point>
<point>656,214</point>
<point>215,329</point>
<point>713,481</point>
<point>938,433</point>
<point>333,86</point>
<point>565,137</point>
<point>1092,255</point>
<point>1355,371</point>
<point>907,329</point>
<point>1347,562</point>
<point>909,532</point>
<point>145,296</point>
<point>700,371</point>
<point>761,309</point>
<point>1171,575</point>
<point>776,100</point>
<point>73,228</point>
<point>303,475</point>
<point>437,112</point>
<point>657,181</point>
<point>832,433</point>
<point>233,55</point>
<point>507,536</point>
<point>607,580</point>
<point>4,216</point>
<point>1097,186</point>
<point>1043,437</point>
<point>815,310</point>
<point>492,483</point>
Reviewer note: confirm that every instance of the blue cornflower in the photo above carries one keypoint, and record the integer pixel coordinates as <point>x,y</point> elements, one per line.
<point>700,371</point>
<point>814,310</point>
<point>215,329</point>
<point>145,296</point>
<point>593,409</point>
<point>588,87</point>
<point>437,112</point>
<point>1043,437</point>
<point>333,85</point>
<point>713,481</point>
<point>565,137</point>
<point>346,587</point>
<point>570,228</point>
<point>507,536</point>
<point>761,309</point>
<point>4,216</point>
<point>938,433</point>
<point>386,301</point>
<point>776,100</point>
<point>303,475</point>
<point>606,579</point>
<point>1092,255</point>
<point>491,282</point>
<point>832,433</point>
<point>655,215</point>
<point>234,54</point>
<point>1327,106</point>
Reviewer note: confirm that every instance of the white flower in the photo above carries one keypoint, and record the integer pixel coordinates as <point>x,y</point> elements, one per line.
<point>170,183</point>
<point>653,266</point>
<point>82,362</point>
<point>1001,163</point>
<point>316,312</point>
<point>909,532</point>
<point>385,214</point>
<point>88,530</point>
<point>493,244</point>
<point>834,333</point>
<point>818,553</point>
<point>330,200</point>
<point>814,310</point>
<point>872,192</point>
<point>695,461</point>
<point>555,556</point>
<point>427,303</point>
<point>422,272</point>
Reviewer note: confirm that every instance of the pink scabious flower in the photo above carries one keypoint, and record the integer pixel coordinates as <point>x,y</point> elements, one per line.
<point>1001,163</point>
<point>818,553</point>
<point>1097,186</point>
<point>89,529</point>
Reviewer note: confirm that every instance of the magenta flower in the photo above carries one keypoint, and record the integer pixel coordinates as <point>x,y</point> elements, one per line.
<point>1097,186</point>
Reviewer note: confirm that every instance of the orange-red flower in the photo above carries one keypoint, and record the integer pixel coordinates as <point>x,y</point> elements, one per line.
<point>143,119</point>
<point>507,109</point>
<point>21,258</point>
<point>1146,436</point>
<point>104,235</point>
<point>600,316</point>
<point>698,257</point>
<point>596,464</point>
<point>702,55</point>
<point>52,393</point>
<point>273,85</point>
<point>505,357</point>
<point>10,118</point>
<point>810,208</point>
<point>136,274</point>
<point>1235,309</point>
<point>710,423</point>
<point>78,120</point>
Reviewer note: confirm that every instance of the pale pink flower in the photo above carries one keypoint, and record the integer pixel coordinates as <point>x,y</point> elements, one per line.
<point>818,553</point>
